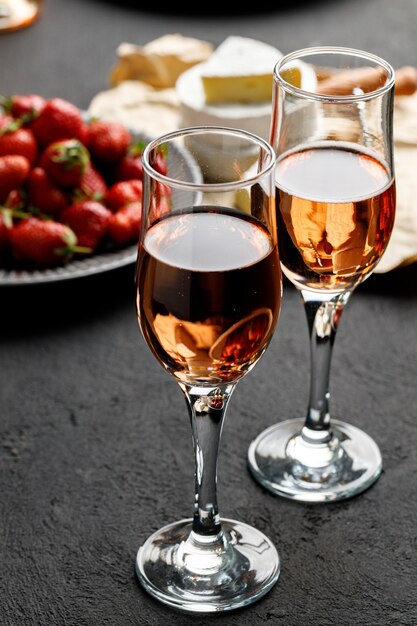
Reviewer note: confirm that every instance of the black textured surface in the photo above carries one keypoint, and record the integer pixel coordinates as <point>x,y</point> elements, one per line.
<point>95,446</point>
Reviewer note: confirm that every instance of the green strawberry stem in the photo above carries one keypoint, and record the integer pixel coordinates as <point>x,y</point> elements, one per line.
<point>72,154</point>
<point>137,148</point>
<point>68,251</point>
<point>163,150</point>
<point>7,103</point>
<point>11,212</point>
<point>11,126</point>
<point>82,249</point>
<point>7,217</point>
<point>72,247</point>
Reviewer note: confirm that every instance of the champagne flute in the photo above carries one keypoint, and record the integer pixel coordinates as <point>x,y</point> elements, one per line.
<point>335,200</point>
<point>208,298</point>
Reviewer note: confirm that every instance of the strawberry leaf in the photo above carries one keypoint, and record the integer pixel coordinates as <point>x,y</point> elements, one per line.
<point>71,154</point>
<point>70,238</point>
<point>137,148</point>
<point>11,127</point>
<point>163,150</point>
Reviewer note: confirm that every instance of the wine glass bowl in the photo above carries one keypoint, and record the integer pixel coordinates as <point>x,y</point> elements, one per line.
<point>208,299</point>
<point>335,206</point>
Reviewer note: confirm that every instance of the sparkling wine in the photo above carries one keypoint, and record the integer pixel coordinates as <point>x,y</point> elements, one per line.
<point>210,287</point>
<point>335,214</point>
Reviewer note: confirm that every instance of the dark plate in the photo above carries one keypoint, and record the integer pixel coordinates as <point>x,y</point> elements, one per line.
<point>94,264</point>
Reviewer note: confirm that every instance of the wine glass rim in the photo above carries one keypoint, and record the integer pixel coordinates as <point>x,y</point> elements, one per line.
<point>315,51</point>
<point>203,186</point>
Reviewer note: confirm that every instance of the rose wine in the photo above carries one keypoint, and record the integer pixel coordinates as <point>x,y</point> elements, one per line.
<point>335,214</point>
<point>209,293</point>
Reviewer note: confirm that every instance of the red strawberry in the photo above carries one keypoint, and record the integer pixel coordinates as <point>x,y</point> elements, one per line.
<point>159,164</point>
<point>92,184</point>
<point>125,224</point>
<point>162,190</point>
<point>27,106</point>
<point>42,242</point>
<point>65,161</point>
<point>14,170</point>
<point>17,140</point>
<point>89,220</point>
<point>108,141</point>
<point>130,166</point>
<point>15,199</point>
<point>43,194</point>
<point>122,193</point>
<point>59,119</point>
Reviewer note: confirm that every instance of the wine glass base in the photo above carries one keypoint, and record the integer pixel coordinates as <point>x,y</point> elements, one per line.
<point>355,466</point>
<point>248,572</point>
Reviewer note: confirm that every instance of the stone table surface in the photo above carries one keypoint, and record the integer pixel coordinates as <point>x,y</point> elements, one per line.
<point>95,443</point>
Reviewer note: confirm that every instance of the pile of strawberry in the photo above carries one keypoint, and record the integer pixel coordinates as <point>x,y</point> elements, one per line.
<point>68,187</point>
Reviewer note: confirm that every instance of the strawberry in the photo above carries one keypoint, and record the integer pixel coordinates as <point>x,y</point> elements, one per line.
<point>89,220</point>
<point>65,161</point>
<point>130,165</point>
<point>59,119</point>
<point>125,224</point>
<point>15,140</point>
<point>108,141</point>
<point>162,190</point>
<point>43,193</point>
<point>14,169</point>
<point>92,184</point>
<point>15,199</point>
<point>42,242</point>
<point>122,193</point>
<point>26,107</point>
<point>159,163</point>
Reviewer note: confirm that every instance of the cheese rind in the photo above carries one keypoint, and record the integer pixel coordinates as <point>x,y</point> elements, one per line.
<point>254,117</point>
<point>240,70</point>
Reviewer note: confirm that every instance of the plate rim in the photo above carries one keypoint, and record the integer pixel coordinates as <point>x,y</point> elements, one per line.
<point>103,263</point>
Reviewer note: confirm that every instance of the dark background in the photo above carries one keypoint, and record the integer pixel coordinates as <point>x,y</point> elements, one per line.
<point>95,445</point>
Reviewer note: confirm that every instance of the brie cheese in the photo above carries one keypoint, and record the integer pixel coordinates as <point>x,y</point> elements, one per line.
<point>254,117</point>
<point>240,70</point>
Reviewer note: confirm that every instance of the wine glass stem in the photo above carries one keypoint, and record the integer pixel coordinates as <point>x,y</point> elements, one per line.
<point>207,408</point>
<point>323,316</point>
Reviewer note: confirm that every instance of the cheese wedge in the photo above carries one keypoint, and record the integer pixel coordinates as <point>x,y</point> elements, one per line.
<point>240,70</point>
<point>254,117</point>
<point>301,75</point>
